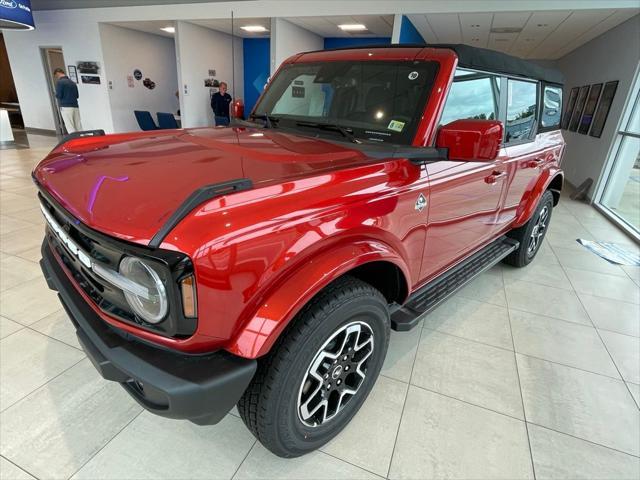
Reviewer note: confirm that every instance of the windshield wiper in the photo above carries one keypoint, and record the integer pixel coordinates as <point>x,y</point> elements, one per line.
<point>347,133</point>
<point>269,120</point>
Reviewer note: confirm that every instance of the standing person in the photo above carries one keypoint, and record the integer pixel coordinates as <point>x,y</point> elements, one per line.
<point>220,102</point>
<point>67,95</point>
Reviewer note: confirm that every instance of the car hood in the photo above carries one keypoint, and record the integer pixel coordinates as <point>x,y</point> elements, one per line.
<point>129,185</point>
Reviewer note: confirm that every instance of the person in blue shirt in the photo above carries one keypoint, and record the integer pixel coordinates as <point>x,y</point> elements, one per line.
<point>67,95</point>
<point>220,102</point>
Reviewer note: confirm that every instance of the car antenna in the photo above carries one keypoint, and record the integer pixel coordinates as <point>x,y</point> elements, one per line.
<point>233,59</point>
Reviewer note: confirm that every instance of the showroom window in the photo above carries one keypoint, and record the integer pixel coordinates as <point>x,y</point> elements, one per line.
<point>521,110</point>
<point>472,96</point>
<point>620,197</point>
<point>551,107</point>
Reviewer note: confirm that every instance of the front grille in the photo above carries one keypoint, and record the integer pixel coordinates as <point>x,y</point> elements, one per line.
<point>171,267</point>
<point>107,298</point>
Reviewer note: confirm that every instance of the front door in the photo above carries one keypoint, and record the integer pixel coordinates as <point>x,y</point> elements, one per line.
<point>465,200</point>
<point>465,197</point>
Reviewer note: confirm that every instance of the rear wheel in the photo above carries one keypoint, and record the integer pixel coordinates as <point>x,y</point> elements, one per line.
<point>532,233</point>
<point>321,371</point>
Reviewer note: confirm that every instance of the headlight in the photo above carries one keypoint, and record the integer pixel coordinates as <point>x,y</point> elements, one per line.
<point>152,304</point>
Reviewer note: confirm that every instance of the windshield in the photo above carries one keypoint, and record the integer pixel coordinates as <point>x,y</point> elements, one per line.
<point>380,101</point>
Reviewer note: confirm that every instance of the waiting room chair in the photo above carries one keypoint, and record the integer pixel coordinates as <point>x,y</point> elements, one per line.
<point>166,120</point>
<point>145,120</point>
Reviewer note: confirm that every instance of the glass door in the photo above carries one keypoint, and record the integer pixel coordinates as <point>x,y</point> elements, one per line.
<point>621,194</point>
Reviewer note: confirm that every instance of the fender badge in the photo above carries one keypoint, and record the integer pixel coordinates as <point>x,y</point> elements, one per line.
<point>421,202</point>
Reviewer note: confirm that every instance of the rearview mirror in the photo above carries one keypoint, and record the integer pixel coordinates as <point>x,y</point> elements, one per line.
<point>469,140</point>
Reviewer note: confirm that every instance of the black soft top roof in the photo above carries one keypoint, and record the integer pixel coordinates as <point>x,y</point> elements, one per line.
<point>484,59</point>
<point>492,61</point>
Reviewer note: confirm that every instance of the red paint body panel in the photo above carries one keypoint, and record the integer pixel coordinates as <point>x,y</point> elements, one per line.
<point>316,210</point>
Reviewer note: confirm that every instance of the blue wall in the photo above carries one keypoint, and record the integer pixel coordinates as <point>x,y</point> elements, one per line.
<point>256,57</point>
<point>409,33</point>
<point>339,42</point>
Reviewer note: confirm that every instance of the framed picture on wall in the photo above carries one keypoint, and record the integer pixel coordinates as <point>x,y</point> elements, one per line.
<point>577,111</point>
<point>72,73</point>
<point>571,102</point>
<point>600,117</point>
<point>589,108</point>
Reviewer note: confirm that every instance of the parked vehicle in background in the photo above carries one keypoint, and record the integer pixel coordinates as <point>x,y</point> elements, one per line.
<point>264,265</point>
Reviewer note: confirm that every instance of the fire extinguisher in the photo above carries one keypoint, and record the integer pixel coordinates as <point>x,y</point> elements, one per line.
<point>237,108</point>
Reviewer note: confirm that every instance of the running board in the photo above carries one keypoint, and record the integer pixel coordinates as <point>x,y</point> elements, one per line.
<point>438,290</point>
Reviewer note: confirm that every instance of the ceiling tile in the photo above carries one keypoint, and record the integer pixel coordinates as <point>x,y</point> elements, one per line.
<point>446,27</point>
<point>576,24</point>
<point>608,23</point>
<point>422,25</point>
<point>510,19</point>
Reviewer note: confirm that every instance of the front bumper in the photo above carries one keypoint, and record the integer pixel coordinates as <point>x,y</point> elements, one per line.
<point>199,388</point>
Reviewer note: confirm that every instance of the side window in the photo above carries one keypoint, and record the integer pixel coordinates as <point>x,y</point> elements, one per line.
<point>551,107</point>
<point>521,109</point>
<point>472,95</point>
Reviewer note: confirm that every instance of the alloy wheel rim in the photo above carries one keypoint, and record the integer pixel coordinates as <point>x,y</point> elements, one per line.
<point>335,375</point>
<point>539,229</point>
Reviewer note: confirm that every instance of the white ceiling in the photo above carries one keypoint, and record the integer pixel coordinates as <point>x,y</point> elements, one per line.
<point>149,26</point>
<point>542,35</point>
<point>377,25</point>
<point>224,25</point>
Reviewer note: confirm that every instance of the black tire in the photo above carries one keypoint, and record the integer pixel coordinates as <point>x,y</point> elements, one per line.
<point>525,253</point>
<point>270,405</point>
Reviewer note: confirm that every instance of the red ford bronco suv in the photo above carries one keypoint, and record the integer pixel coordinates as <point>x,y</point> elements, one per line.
<point>265,264</point>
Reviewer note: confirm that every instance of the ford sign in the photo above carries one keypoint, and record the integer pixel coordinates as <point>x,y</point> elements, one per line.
<point>16,15</point>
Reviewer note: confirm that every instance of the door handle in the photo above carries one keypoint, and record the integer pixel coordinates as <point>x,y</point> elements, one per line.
<point>535,163</point>
<point>494,177</point>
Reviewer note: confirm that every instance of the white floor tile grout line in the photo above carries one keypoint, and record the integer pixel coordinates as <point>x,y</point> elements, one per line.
<point>21,468</point>
<point>255,441</point>
<point>28,327</point>
<point>519,419</point>
<point>527,354</point>
<point>603,343</point>
<point>24,397</point>
<point>142,410</point>
<point>515,361</point>
<point>352,464</point>
<point>406,395</point>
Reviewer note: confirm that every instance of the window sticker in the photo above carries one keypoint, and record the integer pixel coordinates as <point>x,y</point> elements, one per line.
<point>413,75</point>
<point>395,125</point>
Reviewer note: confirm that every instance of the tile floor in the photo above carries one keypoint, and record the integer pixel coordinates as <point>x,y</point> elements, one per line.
<point>525,373</point>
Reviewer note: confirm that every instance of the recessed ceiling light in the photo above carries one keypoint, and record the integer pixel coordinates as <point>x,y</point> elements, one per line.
<point>506,30</point>
<point>169,29</point>
<point>254,28</point>
<point>352,27</point>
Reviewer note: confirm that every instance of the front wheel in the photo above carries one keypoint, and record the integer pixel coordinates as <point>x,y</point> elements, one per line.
<point>321,371</point>
<point>532,233</point>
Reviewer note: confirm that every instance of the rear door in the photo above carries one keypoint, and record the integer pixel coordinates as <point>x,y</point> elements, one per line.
<point>465,197</point>
<point>527,151</point>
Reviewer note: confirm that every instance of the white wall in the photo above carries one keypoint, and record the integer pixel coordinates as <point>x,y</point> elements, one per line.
<point>79,42</point>
<point>199,50</point>
<point>611,56</point>
<point>125,50</point>
<point>288,39</point>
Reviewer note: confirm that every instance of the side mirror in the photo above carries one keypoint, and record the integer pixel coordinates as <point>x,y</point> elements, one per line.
<point>469,140</point>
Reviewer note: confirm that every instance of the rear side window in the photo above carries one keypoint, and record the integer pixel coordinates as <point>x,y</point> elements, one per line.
<point>521,110</point>
<point>551,107</point>
<point>472,96</point>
